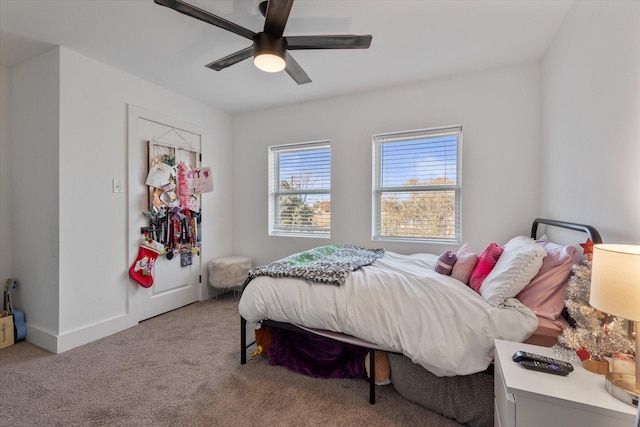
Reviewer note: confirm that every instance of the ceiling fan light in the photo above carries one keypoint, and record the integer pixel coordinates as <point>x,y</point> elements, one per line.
<point>269,62</point>
<point>269,52</point>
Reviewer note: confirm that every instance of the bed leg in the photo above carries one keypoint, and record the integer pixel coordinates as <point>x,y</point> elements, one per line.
<point>243,341</point>
<point>372,377</point>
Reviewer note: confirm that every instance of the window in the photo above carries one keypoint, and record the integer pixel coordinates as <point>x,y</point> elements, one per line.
<point>416,190</point>
<point>300,190</point>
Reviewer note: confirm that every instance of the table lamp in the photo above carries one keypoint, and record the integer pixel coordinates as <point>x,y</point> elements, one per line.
<point>615,289</point>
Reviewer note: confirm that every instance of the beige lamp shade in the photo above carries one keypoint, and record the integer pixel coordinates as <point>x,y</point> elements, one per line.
<point>615,280</point>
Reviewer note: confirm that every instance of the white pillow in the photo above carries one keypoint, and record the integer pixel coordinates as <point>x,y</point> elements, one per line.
<point>518,264</point>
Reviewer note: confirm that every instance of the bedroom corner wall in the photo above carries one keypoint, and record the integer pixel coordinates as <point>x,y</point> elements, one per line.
<point>591,120</point>
<point>70,235</point>
<point>500,113</point>
<point>6,255</point>
<point>95,239</point>
<point>33,196</point>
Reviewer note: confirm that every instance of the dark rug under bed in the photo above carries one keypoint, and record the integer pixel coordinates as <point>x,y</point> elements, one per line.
<point>467,399</point>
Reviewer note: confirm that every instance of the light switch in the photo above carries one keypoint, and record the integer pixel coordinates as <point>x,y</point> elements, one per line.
<point>117,186</point>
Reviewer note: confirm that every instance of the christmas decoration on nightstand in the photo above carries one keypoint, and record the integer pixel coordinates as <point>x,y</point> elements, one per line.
<point>595,335</point>
<point>587,249</point>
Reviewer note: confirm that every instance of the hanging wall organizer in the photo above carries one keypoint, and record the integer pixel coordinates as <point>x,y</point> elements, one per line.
<point>176,183</point>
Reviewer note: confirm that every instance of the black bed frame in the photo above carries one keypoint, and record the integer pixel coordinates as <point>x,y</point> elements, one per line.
<point>591,232</point>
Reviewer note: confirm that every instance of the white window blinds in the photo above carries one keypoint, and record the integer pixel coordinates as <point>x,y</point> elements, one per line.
<point>300,189</point>
<point>416,194</point>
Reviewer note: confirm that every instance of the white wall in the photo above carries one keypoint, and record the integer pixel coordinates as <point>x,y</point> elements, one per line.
<point>500,114</point>
<point>6,254</point>
<point>591,120</point>
<point>91,287</point>
<point>34,130</point>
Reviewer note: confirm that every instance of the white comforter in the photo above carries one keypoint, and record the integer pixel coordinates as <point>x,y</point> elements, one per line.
<point>401,304</point>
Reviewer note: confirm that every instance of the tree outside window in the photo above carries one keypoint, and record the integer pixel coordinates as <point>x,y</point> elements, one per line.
<point>417,185</point>
<point>300,189</point>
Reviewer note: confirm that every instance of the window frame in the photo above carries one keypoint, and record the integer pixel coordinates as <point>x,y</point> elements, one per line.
<point>378,190</point>
<point>275,192</point>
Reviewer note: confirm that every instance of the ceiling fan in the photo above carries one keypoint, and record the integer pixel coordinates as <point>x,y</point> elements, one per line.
<point>270,48</point>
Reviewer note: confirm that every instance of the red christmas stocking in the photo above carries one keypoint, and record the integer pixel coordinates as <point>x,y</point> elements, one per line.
<point>141,269</point>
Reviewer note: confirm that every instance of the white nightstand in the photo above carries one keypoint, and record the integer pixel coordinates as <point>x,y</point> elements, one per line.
<point>526,398</point>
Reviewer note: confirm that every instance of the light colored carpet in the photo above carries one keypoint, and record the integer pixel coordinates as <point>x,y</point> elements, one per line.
<point>183,369</point>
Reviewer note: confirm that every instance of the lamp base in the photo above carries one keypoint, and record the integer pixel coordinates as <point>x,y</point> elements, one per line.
<point>623,387</point>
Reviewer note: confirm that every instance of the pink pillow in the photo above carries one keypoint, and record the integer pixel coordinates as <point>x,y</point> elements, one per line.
<point>546,293</point>
<point>445,263</point>
<point>486,261</point>
<point>466,262</point>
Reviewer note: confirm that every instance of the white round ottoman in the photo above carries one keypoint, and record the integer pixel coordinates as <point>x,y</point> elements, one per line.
<point>228,273</point>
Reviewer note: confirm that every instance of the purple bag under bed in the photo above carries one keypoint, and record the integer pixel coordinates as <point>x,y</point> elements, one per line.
<point>316,356</point>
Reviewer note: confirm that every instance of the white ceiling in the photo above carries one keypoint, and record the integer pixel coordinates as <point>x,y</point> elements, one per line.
<point>413,40</point>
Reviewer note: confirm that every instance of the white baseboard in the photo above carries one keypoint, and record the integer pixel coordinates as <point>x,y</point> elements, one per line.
<point>67,341</point>
<point>42,338</point>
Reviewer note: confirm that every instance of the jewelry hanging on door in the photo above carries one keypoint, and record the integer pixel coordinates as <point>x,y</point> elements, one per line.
<point>174,208</point>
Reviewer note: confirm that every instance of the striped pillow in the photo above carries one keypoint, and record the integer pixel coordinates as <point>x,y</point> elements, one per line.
<point>486,261</point>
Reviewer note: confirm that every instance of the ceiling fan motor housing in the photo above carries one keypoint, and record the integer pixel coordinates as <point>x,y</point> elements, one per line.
<point>269,51</point>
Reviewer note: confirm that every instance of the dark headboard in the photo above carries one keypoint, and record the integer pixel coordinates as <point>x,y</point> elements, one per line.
<point>591,231</point>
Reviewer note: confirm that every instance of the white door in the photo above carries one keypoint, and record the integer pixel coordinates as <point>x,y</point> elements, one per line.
<point>174,285</point>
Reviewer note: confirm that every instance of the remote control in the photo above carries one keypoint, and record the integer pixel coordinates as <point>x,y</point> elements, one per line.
<point>523,355</point>
<point>543,367</point>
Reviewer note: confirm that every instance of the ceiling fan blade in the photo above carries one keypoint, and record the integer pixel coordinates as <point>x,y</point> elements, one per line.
<point>328,42</point>
<point>295,71</point>
<point>203,15</point>
<point>229,60</point>
<point>277,16</point>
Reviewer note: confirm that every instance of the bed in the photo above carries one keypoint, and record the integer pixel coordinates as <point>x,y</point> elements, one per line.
<point>450,332</point>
